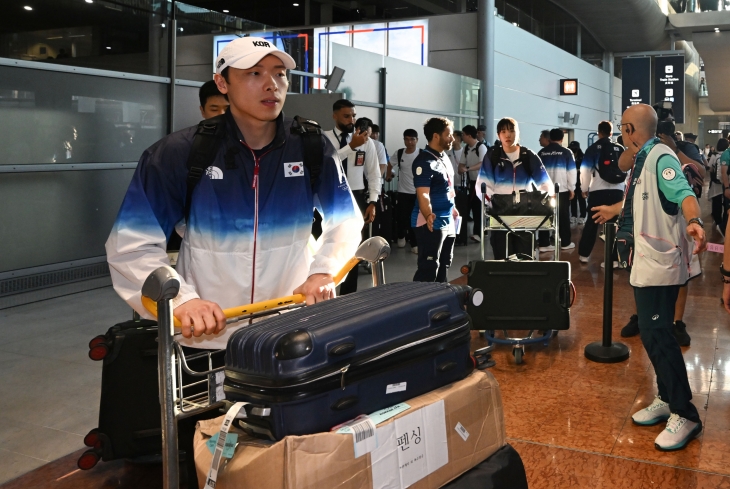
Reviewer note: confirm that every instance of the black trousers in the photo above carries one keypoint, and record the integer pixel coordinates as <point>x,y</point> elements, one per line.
<point>578,202</point>
<point>563,222</point>
<point>519,242</point>
<point>435,252</point>
<point>475,205</point>
<point>717,210</point>
<point>406,203</point>
<point>588,238</point>
<point>349,285</point>
<point>655,307</point>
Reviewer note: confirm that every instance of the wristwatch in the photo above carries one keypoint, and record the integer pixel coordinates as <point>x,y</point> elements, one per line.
<point>698,220</point>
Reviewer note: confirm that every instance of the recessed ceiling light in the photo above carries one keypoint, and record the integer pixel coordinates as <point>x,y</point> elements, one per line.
<point>108,47</point>
<point>27,7</point>
<point>162,25</point>
<point>226,11</point>
<point>717,29</point>
<point>295,4</point>
<point>89,1</point>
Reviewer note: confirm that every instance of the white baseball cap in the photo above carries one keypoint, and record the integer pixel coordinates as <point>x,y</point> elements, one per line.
<point>243,53</point>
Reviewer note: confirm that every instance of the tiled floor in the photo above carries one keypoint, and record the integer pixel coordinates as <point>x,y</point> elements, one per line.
<point>566,416</point>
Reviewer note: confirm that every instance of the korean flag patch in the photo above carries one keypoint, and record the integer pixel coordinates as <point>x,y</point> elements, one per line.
<point>669,174</point>
<point>294,169</point>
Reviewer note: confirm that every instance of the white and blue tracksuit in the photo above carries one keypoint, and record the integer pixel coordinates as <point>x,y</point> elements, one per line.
<point>249,227</point>
<point>559,163</point>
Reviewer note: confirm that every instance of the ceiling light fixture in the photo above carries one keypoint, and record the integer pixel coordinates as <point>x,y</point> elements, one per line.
<point>28,8</point>
<point>162,25</point>
<point>89,1</point>
<point>108,47</point>
<point>295,4</point>
<point>717,29</point>
<point>226,11</point>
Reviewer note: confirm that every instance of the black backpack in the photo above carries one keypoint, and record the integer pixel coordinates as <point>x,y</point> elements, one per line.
<point>211,134</point>
<point>608,168</point>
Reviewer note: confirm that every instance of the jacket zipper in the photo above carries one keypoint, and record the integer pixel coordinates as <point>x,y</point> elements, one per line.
<point>255,187</point>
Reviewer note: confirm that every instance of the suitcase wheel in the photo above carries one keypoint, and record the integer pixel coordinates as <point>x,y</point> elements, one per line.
<point>99,351</point>
<point>97,340</point>
<point>93,440</point>
<point>88,460</point>
<point>518,352</point>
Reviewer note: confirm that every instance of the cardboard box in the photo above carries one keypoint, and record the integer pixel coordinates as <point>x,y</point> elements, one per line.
<point>455,428</point>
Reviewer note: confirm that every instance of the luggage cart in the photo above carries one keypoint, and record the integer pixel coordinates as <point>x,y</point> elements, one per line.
<point>514,224</point>
<point>160,288</point>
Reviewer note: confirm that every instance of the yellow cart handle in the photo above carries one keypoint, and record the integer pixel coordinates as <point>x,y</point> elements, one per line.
<point>238,311</point>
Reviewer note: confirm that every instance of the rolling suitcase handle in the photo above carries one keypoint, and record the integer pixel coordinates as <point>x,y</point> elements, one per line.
<point>373,250</point>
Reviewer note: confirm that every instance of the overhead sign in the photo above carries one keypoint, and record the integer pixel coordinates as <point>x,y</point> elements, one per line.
<point>669,83</point>
<point>569,86</point>
<point>636,81</point>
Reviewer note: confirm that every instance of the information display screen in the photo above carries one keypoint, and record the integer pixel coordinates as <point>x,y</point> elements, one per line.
<point>636,81</point>
<point>669,83</point>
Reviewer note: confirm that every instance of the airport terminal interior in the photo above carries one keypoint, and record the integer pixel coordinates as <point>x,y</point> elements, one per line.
<point>87,87</point>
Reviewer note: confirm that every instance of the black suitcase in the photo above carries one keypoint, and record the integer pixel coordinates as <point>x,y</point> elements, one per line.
<point>384,217</point>
<point>503,470</point>
<point>313,368</point>
<point>522,295</point>
<point>129,408</point>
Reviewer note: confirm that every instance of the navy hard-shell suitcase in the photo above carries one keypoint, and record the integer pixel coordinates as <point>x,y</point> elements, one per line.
<point>308,370</point>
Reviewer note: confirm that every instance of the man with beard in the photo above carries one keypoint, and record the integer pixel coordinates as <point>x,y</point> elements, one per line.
<point>359,162</point>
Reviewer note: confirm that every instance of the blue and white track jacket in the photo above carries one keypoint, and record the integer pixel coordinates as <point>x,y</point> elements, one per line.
<point>560,165</point>
<point>249,226</point>
<point>507,177</point>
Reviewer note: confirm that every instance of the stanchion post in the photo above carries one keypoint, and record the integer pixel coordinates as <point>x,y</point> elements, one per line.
<point>606,351</point>
<point>162,286</point>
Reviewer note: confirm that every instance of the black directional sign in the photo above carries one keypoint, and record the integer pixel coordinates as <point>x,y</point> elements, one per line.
<point>669,83</point>
<point>636,81</point>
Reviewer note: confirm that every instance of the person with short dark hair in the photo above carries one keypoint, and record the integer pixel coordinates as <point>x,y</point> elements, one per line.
<point>212,101</point>
<point>434,212</point>
<point>544,138</point>
<point>578,210</point>
<point>716,190</point>
<point>482,133</point>
<point>598,191</point>
<point>471,161</point>
<point>560,165</point>
<point>403,159</point>
<point>511,168</point>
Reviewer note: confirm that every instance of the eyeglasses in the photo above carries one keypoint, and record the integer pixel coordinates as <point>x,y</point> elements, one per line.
<point>625,125</point>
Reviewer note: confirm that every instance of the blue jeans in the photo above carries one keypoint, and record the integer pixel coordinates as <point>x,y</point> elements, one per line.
<point>435,252</point>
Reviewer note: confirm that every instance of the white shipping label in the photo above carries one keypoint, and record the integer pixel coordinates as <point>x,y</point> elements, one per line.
<point>410,448</point>
<point>364,438</point>
<point>461,431</point>
<point>399,387</point>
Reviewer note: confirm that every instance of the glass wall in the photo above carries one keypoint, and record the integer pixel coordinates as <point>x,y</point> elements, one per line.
<point>406,40</point>
<point>547,21</point>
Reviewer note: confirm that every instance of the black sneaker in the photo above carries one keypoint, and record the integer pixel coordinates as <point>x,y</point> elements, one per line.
<point>631,329</point>
<point>680,332</point>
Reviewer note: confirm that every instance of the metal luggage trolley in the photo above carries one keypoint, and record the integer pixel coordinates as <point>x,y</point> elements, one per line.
<point>159,289</point>
<point>513,224</point>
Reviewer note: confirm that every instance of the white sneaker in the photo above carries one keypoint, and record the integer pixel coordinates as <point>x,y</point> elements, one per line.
<point>677,434</point>
<point>654,413</point>
<point>475,237</point>
<point>414,250</point>
<point>583,259</point>
<point>569,246</point>
<point>582,221</point>
<point>573,221</point>
<point>616,265</point>
<point>545,249</point>
<point>401,242</point>
<point>602,236</point>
